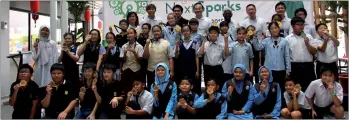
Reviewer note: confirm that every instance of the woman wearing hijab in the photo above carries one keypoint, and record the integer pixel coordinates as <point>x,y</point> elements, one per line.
<point>165,93</point>
<point>267,100</point>
<point>45,55</point>
<point>240,94</point>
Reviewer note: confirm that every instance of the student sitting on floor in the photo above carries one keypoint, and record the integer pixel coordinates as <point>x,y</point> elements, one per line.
<point>111,93</point>
<point>139,103</point>
<point>164,91</point>
<point>24,95</point>
<point>297,104</point>
<point>240,94</point>
<point>211,104</point>
<point>325,96</point>
<point>88,96</point>
<point>59,96</point>
<point>186,100</point>
<point>268,97</point>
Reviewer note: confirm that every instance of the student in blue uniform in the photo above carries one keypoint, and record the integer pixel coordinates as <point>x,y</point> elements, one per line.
<point>242,53</point>
<point>59,96</point>
<point>297,104</point>
<point>111,94</point>
<point>186,100</point>
<point>24,95</point>
<point>267,101</point>
<point>240,94</point>
<point>88,96</point>
<point>139,103</point>
<point>187,59</point>
<point>227,65</point>
<point>164,91</point>
<point>172,31</point>
<point>211,104</point>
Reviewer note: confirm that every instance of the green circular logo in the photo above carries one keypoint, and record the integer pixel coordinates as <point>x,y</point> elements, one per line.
<point>123,7</point>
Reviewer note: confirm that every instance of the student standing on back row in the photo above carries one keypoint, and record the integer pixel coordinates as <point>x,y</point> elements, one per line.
<point>301,53</point>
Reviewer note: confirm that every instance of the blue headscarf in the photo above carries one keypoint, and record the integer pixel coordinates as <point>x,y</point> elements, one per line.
<point>240,83</point>
<point>163,81</point>
<point>270,74</point>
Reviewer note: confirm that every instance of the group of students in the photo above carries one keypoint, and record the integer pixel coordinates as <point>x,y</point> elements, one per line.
<point>138,71</point>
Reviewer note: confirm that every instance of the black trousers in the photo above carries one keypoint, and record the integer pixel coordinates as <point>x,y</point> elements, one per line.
<point>150,79</point>
<point>321,111</point>
<point>279,77</point>
<point>214,72</point>
<point>332,66</point>
<point>303,73</point>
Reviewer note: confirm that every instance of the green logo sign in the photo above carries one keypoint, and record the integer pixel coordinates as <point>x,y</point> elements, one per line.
<point>122,7</point>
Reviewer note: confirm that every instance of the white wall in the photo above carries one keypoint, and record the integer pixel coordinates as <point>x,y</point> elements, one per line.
<point>5,76</point>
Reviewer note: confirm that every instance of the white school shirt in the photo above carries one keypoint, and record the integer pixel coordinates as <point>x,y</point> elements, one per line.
<point>204,25</point>
<point>323,97</point>
<point>152,22</point>
<point>233,26</point>
<point>301,100</point>
<point>298,50</point>
<point>258,23</point>
<point>286,25</point>
<point>331,53</point>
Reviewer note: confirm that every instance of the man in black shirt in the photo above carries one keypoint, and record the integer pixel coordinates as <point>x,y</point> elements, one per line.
<point>59,96</point>
<point>24,95</point>
<point>178,10</point>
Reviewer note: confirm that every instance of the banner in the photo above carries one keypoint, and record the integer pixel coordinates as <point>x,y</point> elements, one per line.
<point>115,10</point>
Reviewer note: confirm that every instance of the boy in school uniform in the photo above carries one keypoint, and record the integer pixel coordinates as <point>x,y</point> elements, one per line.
<point>139,103</point>
<point>297,104</point>
<point>111,94</point>
<point>187,59</point>
<point>195,36</point>
<point>24,95</point>
<point>327,54</point>
<point>325,96</point>
<point>88,96</point>
<point>227,65</point>
<point>114,55</point>
<point>164,91</point>
<point>186,100</point>
<point>214,54</point>
<point>242,53</point>
<point>211,104</point>
<point>302,49</point>
<point>59,96</point>
<point>240,94</point>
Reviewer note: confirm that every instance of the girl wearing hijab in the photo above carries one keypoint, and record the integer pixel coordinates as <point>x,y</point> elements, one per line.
<point>240,94</point>
<point>45,55</point>
<point>267,100</point>
<point>165,93</point>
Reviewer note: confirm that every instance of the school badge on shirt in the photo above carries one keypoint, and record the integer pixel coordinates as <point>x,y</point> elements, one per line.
<point>273,90</point>
<point>170,87</point>
<point>66,92</point>
<point>247,87</point>
<point>114,93</point>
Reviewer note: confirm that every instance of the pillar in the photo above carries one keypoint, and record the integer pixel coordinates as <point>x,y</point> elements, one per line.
<point>53,19</point>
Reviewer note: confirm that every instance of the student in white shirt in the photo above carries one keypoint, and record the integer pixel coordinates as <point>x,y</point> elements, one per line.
<point>327,54</point>
<point>325,96</point>
<point>204,22</point>
<point>280,9</point>
<point>297,104</point>
<point>308,27</point>
<point>151,18</point>
<point>302,49</point>
<point>252,19</point>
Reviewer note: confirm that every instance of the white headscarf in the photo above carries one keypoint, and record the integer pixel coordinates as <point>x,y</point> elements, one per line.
<point>43,43</point>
